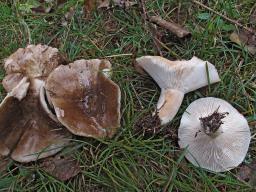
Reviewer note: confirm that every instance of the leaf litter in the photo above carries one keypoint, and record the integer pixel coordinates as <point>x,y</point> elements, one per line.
<point>61,167</point>
<point>247,173</point>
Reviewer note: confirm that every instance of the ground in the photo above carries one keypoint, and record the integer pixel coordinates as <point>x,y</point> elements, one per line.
<point>131,161</point>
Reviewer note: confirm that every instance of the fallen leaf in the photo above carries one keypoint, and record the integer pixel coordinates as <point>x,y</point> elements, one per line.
<point>61,167</point>
<point>246,39</point>
<point>247,173</point>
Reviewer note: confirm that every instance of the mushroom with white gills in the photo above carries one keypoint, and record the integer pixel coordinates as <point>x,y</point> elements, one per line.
<point>85,100</point>
<point>176,78</point>
<point>10,120</point>
<point>216,135</point>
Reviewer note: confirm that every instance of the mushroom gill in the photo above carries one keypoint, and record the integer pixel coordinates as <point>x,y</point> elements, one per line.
<point>215,134</point>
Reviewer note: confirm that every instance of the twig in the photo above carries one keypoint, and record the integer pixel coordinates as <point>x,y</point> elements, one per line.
<point>224,17</point>
<point>173,27</point>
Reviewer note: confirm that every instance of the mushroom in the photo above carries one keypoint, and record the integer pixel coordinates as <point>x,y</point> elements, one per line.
<point>176,78</point>
<point>27,132</point>
<point>33,61</point>
<point>9,122</point>
<point>216,135</point>
<point>85,100</point>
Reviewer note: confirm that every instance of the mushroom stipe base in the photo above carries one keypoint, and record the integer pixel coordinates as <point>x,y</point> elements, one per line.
<point>212,123</point>
<point>148,124</point>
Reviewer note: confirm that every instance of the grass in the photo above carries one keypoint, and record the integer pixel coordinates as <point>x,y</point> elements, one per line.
<point>129,162</point>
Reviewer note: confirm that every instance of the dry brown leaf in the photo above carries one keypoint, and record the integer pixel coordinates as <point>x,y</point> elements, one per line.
<point>61,167</point>
<point>246,39</point>
<point>247,173</point>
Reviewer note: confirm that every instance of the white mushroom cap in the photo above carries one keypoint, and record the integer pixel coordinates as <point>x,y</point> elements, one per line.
<point>219,150</point>
<point>179,78</point>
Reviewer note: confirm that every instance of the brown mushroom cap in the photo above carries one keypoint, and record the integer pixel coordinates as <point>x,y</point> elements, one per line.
<point>33,61</point>
<point>10,117</point>
<point>84,99</point>
<point>10,123</point>
<point>27,132</point>
<point>12,80</point>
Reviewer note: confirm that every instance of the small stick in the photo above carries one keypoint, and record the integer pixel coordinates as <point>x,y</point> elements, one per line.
<point>173,27</point>
<point>224,17</point>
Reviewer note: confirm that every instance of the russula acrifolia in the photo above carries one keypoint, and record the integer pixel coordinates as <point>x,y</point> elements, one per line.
<point>176,78</point>
<point>27,132</point>
<point>34,61</point>
<point>9,123</point>
<point>85,100</point>
<point>215,135</point>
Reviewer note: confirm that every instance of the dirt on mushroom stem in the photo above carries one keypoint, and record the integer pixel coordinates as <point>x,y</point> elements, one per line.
<point>212,123</point>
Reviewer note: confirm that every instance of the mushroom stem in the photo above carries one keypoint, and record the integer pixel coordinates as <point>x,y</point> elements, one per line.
<point>212,123</point>
<point>168,104</point>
